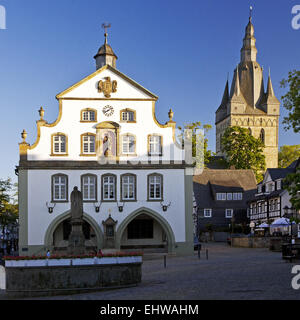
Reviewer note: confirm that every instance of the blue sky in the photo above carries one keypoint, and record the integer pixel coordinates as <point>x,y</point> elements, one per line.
<point>180,50</point>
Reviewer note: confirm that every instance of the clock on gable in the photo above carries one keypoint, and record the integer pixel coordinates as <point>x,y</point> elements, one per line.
<point>108,111</point>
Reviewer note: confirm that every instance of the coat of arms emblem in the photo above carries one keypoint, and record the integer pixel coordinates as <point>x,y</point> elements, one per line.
<point>107,87</point>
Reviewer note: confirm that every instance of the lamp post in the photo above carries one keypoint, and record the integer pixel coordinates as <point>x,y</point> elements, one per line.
<point>289,213</point>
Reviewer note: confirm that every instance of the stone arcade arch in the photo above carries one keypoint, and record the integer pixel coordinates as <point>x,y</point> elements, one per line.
<point>48,240</point>
<point>155,216</point>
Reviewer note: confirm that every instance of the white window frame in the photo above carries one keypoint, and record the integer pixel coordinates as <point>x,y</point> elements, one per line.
<point>221,196</point>
<point>229,196</point>
<point>89,188</point>
<point>59,187</point>
<point>155,145</point>
<point>128,186</point>
<point>226,213</point>
<point>88,144</point>
<point>278,186</point>
<point>157,185</point>
<point>128,144</point>
<point>87,115</point>
<point>127,116</point>
<point>207,213</point>
<point>240,196</point>
<point>110,185</point>
<point>59,142</point>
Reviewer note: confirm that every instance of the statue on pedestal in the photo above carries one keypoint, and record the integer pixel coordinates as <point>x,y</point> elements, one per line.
<point>76,238</point>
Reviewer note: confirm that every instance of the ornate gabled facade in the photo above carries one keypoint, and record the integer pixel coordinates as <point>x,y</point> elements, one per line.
<point>132,174</point>
<point>248,105</point>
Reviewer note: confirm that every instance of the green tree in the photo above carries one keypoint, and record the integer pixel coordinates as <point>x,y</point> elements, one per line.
<point>194,127</point>
<point>8,210</point>
<point>243,151</point>
<point>292,184</point>
<point>291,100</point>
<point>287,155</point>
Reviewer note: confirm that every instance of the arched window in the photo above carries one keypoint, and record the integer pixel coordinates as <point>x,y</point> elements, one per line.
<point>127,115</point>
<point>262,135</point>
<point>154,145</point>
<point>88,144</point>
<point>128,187</point>
<point>109,187</point>
<point>128,144</point>
<point>88,115</point>
<point>155,187</point>
<point>89,187</point>
<point>59,188</point>
<point>59,144</point>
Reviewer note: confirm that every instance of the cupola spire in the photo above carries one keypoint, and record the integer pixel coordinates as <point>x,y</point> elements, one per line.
<point>105,54</point>
<point>249,51</point>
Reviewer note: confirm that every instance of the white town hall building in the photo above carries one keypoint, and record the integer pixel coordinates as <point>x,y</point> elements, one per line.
<point>106,141</point>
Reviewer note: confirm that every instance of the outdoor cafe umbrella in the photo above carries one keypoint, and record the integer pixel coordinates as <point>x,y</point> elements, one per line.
<point>263,225</point>
<point>281,222</point>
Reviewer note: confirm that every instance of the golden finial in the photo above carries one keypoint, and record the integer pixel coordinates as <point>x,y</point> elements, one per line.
<point>41,113</point>
<point>171,115</point>
<point>24,135</point>
<point>250,16</point>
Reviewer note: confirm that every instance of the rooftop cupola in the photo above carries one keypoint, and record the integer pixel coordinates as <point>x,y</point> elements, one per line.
<point>105,54</point>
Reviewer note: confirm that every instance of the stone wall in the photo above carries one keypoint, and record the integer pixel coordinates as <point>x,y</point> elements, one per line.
<point>251,242</point>
<point>41,281</point>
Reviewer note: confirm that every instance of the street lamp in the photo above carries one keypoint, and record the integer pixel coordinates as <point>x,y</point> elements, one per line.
<point>289,212</point>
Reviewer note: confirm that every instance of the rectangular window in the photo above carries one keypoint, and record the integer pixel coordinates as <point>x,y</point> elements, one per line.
<point>221,196</point>
<point>128,188</point>
<point>89,188</point>
<point>278,184</point>
<point>155,186</point>
<point>207,213</point>
<point>155,147</point>
<point>228,213</point>
<point>128,116</point>
<point>59,188</point>
<point>128,144</point>
<point>229,196</point>
<point>240,196</point>
<point>88,116</point>
<point>59,144</point>
<point>109,188</point>
<point>88,144</point>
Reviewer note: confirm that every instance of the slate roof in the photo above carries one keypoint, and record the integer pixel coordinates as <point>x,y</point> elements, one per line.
<point>210,182</point>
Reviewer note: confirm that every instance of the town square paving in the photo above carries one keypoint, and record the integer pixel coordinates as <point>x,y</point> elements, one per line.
<point>229,273</point>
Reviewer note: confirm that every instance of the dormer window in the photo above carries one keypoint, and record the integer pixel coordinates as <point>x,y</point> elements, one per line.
<point>259,189</point>
<point>278,186</point>
<point>88,115</point>
<point>127,115</point>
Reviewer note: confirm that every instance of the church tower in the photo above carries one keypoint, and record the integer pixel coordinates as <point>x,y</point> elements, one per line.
<point>248,105</point>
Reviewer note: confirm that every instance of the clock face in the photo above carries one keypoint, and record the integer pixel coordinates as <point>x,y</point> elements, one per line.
<point>108,111</point>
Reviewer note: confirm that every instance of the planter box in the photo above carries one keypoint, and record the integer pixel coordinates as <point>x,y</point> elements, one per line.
<point>59,262</point>
<point>82,262</point>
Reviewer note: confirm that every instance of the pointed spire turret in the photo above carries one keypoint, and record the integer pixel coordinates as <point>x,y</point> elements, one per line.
<point>236,94</point>
<point>225,98</point>
<point>270,95</point>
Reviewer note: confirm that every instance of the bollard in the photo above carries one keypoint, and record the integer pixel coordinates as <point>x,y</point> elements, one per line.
<point>206,254</point>
<point>165,261</point>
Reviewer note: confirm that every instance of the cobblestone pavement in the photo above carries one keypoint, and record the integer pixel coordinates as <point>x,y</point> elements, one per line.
<point>229,273</point>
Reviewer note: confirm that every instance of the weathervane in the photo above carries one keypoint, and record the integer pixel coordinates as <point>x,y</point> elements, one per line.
<point>251,9</point>
<point>105,26</point>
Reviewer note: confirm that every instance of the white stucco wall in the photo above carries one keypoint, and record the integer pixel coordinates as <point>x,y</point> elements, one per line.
<point>39,192</point>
